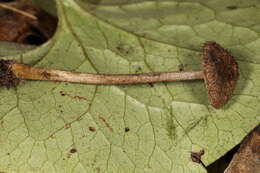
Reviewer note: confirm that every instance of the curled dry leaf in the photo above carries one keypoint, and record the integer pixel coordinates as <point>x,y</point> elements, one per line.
<point>247,159</point>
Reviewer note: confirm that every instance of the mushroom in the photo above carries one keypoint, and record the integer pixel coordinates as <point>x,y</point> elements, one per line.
<point>220,73</point>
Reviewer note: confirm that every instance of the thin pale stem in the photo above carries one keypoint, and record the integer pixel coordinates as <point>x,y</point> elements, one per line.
<point>23,71</point>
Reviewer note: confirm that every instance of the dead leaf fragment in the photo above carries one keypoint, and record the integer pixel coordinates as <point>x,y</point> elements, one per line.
<point>247,159</point>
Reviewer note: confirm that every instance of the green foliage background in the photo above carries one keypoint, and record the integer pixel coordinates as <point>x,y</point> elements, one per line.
<point>39,126</point>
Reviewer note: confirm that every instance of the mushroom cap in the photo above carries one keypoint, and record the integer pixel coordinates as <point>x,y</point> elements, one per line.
<point>220,73</point>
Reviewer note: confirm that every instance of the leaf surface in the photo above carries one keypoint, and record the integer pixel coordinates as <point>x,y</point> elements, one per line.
<point>63,127</point>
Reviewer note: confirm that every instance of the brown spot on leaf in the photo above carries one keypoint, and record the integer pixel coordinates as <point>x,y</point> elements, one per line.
<point>139,70</point>
<point>68,125</point>
<point>92,129</point>
<point>73,150</point>
<point>181,67</point>
<point>124,49</point>
<point>127,129</point>
<point>106,123</point>
<point>62,93</point>
<point>196,156</point>
<point>51,137</point>
<point>79,97</point>
<point>232,7</point>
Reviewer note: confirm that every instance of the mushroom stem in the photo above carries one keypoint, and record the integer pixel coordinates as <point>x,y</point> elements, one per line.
<point>23,71</point>
<point>220,73</point>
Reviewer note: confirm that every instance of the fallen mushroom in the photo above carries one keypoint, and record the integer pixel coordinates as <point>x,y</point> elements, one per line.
<point>220,72</point>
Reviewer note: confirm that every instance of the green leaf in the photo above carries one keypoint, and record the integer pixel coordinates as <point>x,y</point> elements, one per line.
<point>41,122</point>
<point>10,48</point>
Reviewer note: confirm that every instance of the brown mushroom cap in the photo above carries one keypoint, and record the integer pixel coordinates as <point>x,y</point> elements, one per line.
<point>220,73</point>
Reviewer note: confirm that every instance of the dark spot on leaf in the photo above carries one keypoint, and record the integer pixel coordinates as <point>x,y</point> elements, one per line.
<point>124,49</point>
<point>181,67</point>
<point>232,7</point>
<point>92,129</point>
<point>68,125</point>
<point>138,70</point>
<point>127,129</point>
<point>106,123</point>
<point>62,93</point>
<point>79,97</point>
<point>119,48</point>
<point>73,150</point>
<point>196,156</point>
